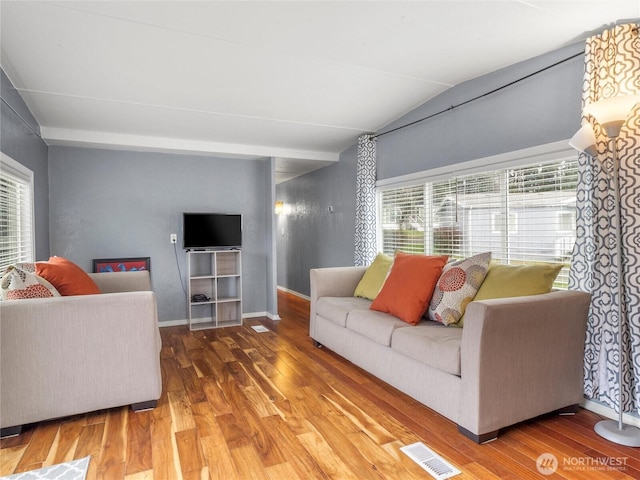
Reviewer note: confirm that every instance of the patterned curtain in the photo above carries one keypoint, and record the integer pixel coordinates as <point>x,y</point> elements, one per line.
<point>365,241</point>
<point>612,67</point>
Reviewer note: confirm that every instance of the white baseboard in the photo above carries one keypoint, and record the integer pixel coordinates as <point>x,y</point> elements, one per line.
<point>293,292</point>
<point>172,323</point>
<point>178,322</point>
<point>608,412</point>
<point>270,316</point>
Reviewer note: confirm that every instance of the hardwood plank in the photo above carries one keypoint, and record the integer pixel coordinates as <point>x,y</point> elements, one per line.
<point>381,461</point>
<point>162,448</point>
<point>171,377</point>
<point>219,403</point>
<point>139,442</point>
<point>218,458</point>
<point>239,404</point>
<point>294,452</point>
<point>247,463</point>
<point>38,448</point>
<point>65,442</point>
<point>189,451</point>
<point>146,475</point>
<point>232,432</point>
<point>113,449</point>
<point>181,411</point>
<point>283,471</point>
<point>328,460</point>
<point>192,384</point>
<point>254,429</point>
<point>10,458</point>
<point>204,419</point>
<point>90,441</point>
<point>110,471</point>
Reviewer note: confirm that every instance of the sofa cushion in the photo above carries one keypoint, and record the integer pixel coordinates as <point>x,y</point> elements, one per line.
<point>336,309</point>
<point>67,277</point>
<point>374,277</point>
<point>376,326</point>
<point>456,287</point>
<point>408,288</point>
<point>430,343</point>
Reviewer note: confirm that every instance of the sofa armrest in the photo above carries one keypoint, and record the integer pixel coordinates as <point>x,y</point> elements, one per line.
<point>112,282</point>
<point>332,282</point>
<point>335,281</point>
<point>67,355</point>
<point>521,357</point>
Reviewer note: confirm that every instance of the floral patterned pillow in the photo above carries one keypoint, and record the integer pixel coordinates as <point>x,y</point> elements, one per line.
<point>20,281</point>
<point>457,286</point>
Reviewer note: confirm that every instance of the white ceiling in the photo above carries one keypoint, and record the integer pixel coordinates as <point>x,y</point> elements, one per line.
<point>298,81</point>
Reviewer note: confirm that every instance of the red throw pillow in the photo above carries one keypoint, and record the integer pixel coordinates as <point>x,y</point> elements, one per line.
<point>67,277</point>
<point>408,289</point>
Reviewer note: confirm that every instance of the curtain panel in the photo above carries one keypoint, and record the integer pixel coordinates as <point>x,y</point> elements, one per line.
<point>612,67</point>
<point>365,241</point>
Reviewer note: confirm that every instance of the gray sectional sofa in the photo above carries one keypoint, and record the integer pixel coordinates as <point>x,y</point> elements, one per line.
<point>515,359</point>
<point>68,355</point>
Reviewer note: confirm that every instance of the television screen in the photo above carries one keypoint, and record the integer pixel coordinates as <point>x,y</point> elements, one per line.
<point>211,230</point>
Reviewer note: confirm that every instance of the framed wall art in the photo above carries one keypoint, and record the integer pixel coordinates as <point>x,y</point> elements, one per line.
<point>131,264</point>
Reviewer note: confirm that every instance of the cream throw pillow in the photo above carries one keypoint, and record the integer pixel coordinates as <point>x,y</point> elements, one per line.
<point>457,286</point>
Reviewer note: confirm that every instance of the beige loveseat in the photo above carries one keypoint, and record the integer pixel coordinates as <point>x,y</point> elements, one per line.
<point>74,354</point>
<point>516,358</point>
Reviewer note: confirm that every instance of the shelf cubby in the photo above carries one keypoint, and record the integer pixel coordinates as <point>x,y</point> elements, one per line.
<point>216,274</point>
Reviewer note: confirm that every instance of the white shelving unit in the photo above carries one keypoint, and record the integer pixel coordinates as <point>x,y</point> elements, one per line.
<point>216,274</point>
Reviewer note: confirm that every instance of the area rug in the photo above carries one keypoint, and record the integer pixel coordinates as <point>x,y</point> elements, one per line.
<point>74,470</point>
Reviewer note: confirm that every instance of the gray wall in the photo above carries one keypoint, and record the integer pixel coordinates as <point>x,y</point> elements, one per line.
<point>309,235</point>
<point>542,109</point>
<point>108,203</point>
<point>20,139</point>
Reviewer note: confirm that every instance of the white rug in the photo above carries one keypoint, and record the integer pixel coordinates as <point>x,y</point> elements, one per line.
<point>74,470</point>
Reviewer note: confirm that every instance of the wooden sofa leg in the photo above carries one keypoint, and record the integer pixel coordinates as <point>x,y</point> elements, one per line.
<point>482,438</point>
<point>142,406</point>
<point>570,410</point>
<point>10,431</point>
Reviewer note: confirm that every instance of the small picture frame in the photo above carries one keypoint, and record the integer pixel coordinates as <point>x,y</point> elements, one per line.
<point>131,264</point>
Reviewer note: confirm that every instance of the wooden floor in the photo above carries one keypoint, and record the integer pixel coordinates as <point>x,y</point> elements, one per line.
<point>238,404</point>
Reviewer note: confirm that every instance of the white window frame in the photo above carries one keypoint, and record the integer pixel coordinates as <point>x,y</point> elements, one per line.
<point>552,152</point>
<point>22,173</point>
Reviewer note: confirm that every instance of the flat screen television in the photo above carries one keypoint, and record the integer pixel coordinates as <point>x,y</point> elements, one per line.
<point>202,231</point>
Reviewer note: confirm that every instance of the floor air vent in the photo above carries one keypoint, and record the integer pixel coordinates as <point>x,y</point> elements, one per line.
<point>433,463</point>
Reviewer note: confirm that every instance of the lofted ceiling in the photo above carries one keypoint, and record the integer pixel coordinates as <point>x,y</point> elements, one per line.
<point>294,80</point>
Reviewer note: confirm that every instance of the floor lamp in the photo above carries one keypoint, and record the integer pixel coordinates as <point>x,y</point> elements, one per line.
<point>611,114</point>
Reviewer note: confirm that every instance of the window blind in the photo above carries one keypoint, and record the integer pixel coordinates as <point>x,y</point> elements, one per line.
<point>523,215</point>
<point>16,213</point>
<point>402,221</point>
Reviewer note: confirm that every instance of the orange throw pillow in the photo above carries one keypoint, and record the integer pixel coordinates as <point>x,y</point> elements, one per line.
<point>67,277</point>
<point>408,289</point>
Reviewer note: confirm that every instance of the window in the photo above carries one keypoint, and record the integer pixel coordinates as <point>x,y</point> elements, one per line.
<point>16,213</point>
<point>524,213</point>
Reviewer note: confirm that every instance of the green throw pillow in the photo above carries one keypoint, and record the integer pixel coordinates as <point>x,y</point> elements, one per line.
<point>505,281</point>
<point>374,277</point>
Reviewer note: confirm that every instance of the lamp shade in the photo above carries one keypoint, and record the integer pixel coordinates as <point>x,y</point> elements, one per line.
<point>584,140</point>
<point>612,112</point>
